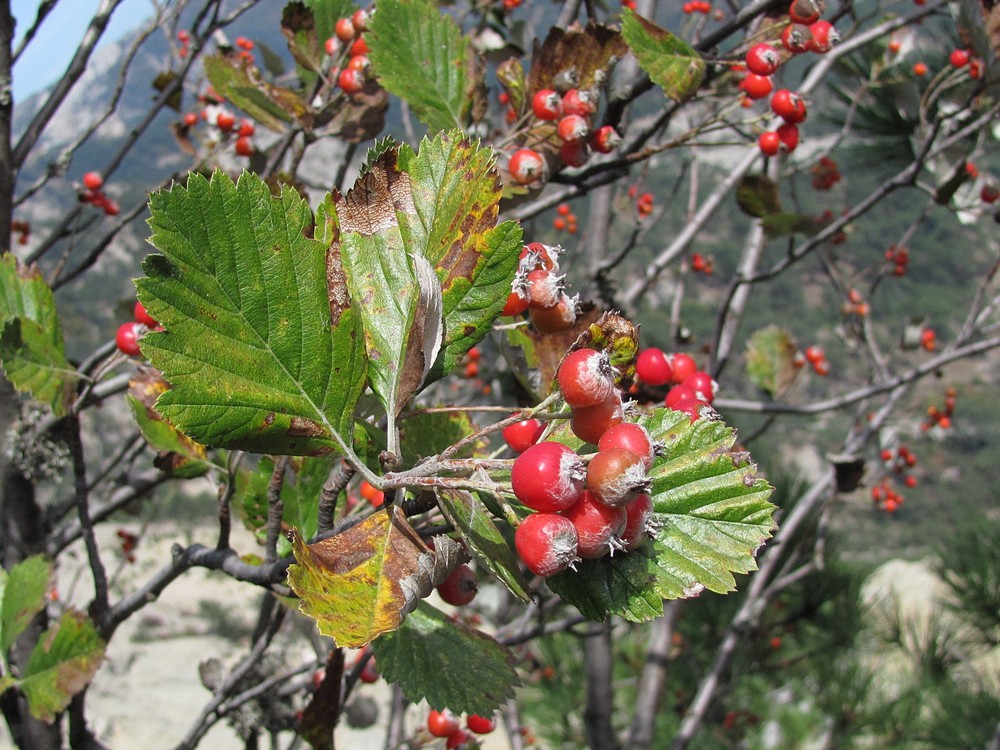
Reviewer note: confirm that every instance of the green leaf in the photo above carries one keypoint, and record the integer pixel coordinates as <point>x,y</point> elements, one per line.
<point>362,582</point>
<point>179,455</point>
<point>428,433</point>
<point>470,518</point>
<point>670,62</point>
<point>260,345</point>
<point>272,106</point>
<point>447,663</point>
<point>420,55</point>
<point>31,341</point>
<point>770,359</point>
<point>713,515</point>
<point>23,592</point>
<point>456,193</point>
<point>63,662</point>
<point>757,196</point>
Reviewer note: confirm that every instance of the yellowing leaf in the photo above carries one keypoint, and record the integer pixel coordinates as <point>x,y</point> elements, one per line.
<point>671,63</point>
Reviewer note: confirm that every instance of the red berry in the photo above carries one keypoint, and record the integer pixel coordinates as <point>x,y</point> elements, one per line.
<point>762,59</point>
<point>372,495</point>
<point>359,48</point>
<point>598,526</point>
<point>959,58</point>
<point>547,543</point>
<point>605,139</point>
<point>480,724</point>
<point>190,119</point>
<point>526,166</point>
<point>460,587</point>
<point>788,135</point>
<point>556,319</point>
<point>653,367</point>
<point>344,29</point>
<point>360,19</point>
<point>805,11</point>
<point>572,128</point>
<point>576,102</point>
<point>225,121</point>
<point>796,38</point>
<point>141,316</point>
<point>359,63</point>
<point>590,422</point>
<point>244,146</point>
<point>702,384</point>
<point>246,129</point>
<point>989,194</point>
<point>127,338</point>
<point>788,106</point>
<point>522,435</point>
<point>585,378</point>
<point>814,354</point>
<point>769,143</point>
<point>331,46</point>
<point>824,36</point>
<point>351,80</point>
<point>632,437</point>
<point>546,104</point>
<point>537,255</point>
<point>616,475</point>
<point>574,153</point>
<point>920,69</point>
<point>683,365</point>
<point>755,86</point>
<point>93,181</point>
<point>638,522</point>
<point>516,304</point>
<point>442,723</point>
<point>548,477</point>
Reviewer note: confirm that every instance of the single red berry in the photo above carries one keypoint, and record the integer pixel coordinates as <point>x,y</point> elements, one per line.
<point>517,303</point>
<point>598,526</point>
<point>460,587</point>
<point>537,255</point>
<point>959,58</point>
<point>805,11</point>
<point>574,153</point>
<point>814,354</point>
<point>457,740</point>
<point>548,477</point>
<point>653,367</point>
<point>526,166</point>
<point>679,394</point>
<point>556,319</point>
<point>616,475</point>
<point>372,495</point>
<point>545,289</point>
<point>360,19</point>
<point>989,194</point>
<point>788,106</point>
<point>605,139</point>
<point>920,69</point>
<point>351,80</point>
<point>244,146</point>
<point>702,384</point>
<point>442,723</point>
<point>895,45</point>
<point>683,365</point>
<point>369,672</point>
<point>788,135</point>
<point>183,36</point>
<point>590,422</point>
<point>572,128</point>
<point>225,121</point>
<point>141,316</point>
<point>546,104</point>
<point>246,128</point>
<point>344,29</point>
<point>331,45</point>
<point>522,435</point>
<point>480,724</point>
<point>547,543</point>
<point>190,119</point>
<point>585,378</point>
<point>755,86</point>
<point>796,38</point>
<point>762,59</point>
<point>111,207</point>
<point>769,143</point>
<point>638,522</point>
<point>93,181</point>
<point>359,48</point>
<point>127,338</point>
<point>632,437</point>
<point>824,36</point>
<point>576,102</point>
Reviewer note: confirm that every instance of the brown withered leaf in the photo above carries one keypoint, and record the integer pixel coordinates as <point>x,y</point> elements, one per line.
<point>577,57</point>
<point>364,581</point>
<point>177,454</point>
<point>361,118</point>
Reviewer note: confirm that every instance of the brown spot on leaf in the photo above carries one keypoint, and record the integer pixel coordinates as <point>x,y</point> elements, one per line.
<point>302,427</point>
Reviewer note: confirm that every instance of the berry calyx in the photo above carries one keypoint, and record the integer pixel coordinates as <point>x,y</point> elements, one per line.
<point>522,435</point>
<point>586,378</point>
<point>526,166</point>
<point>548,477</point>
<point>547,543</point>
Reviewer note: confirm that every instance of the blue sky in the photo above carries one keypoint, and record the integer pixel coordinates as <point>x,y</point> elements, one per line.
<point>50,51</point>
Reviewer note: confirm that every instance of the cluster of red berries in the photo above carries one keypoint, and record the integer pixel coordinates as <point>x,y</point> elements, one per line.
<point>928,339</point>
<point>22,229</point>
<point>959,58</point>
<point>128,334</point>
<point>349,39</point>
<point>584,510</point>
<point>825,174</point>
<point>128,542</point>
<point>215,115</point>
<point>702,264</point>
<point>816,357</point>
<point>565,219</point>
<point>885,497</point>
<point>899,257</point>
<point>572,111</point>
<point>806,32</point>
<point>899,462</point>
<point>697,6</point>
<point>92,194</point>
<point>446,724</point>
<point>538,290</point>
<point>855,304</point>
<point>184,37</point>
<point>246,49</point>
<point>941,417</point>
<point>691,388</point>
<point>472,358</point>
